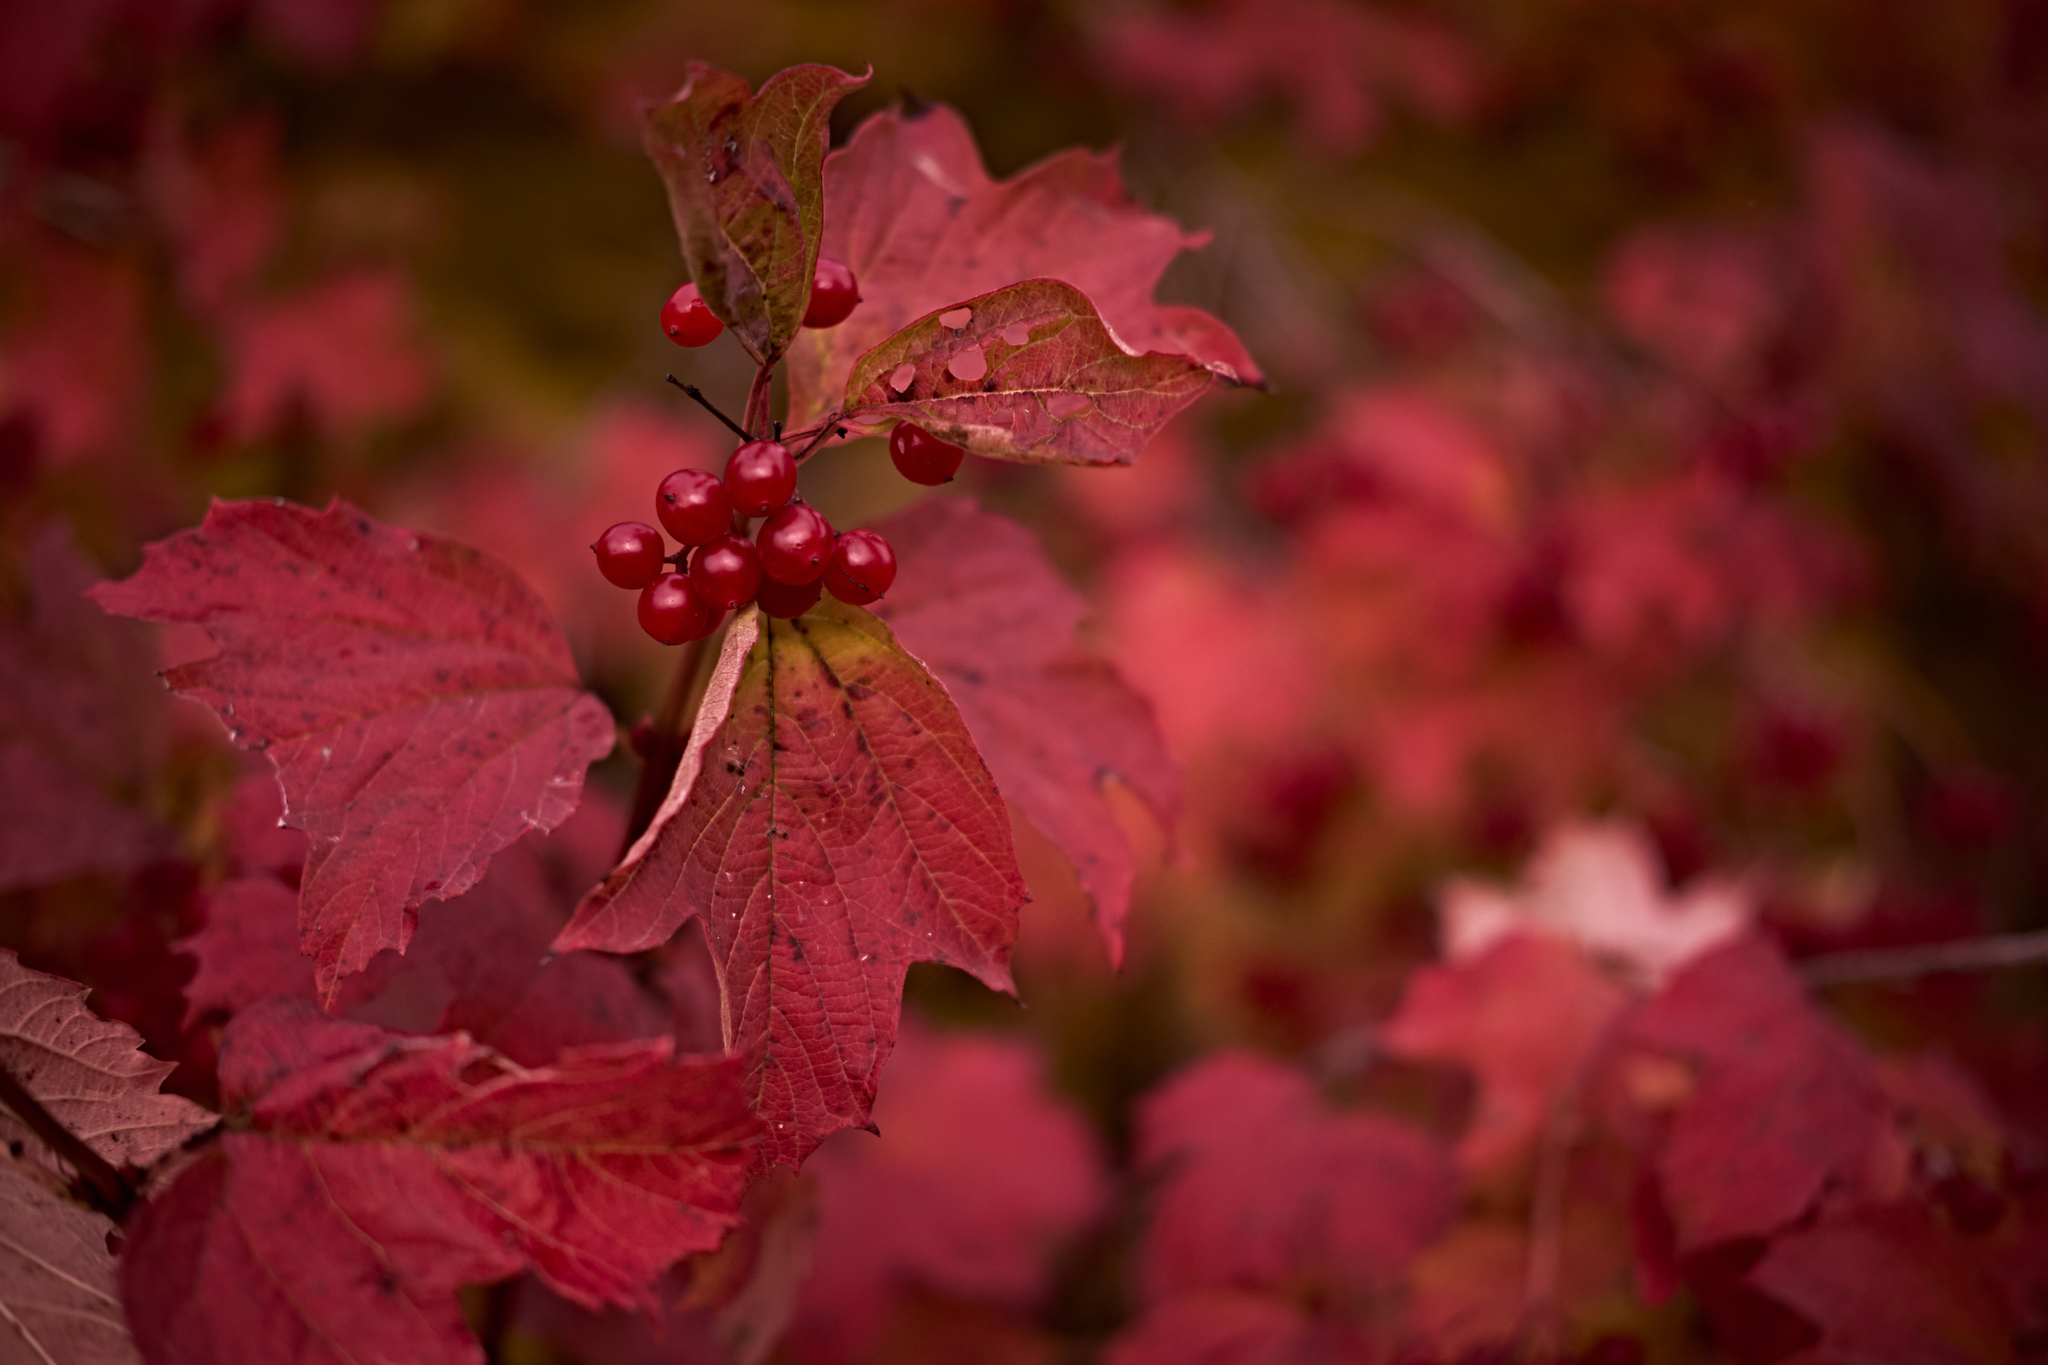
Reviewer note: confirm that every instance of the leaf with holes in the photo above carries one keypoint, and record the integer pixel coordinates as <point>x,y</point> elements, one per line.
<point>1029,372</point>
<point>977,601</point>
<point>831,824</point>
<point>909,206</point>
<point>377,1173</point>
<point>416,698</point>
<point>745,183</point>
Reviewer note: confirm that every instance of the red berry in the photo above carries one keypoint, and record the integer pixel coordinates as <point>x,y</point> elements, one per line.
<point>787,600</point>
<point>834,292</point>
<point>687,319</point>
<point>629,554</point>
<point>861,568</point>
<point>726,572</point>
<point>760,477</point>
<point>672,611</point>
<point>693,506</point>
<point>922,457</point>
<point>794,543</point>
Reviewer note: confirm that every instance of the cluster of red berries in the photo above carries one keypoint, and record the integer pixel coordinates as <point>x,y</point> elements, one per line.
<point>795,555</point>
<point>790,561</point>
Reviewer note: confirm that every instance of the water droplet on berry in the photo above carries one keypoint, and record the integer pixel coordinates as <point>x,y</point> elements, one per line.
<point>957,318</point>
<point>1016,334</point>
<point>969,365</point>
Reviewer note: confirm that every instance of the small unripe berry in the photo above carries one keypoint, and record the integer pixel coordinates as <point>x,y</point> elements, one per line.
<point>726,572</point>
<point>672,611</point>
<point>834,292</point>
<point>787,600</point>
<point>793,544</point>
<point>760,477</point>
<point>629,554</point>
<point>687,318</point>
<point>861,568</point>
<point>693,506</point>
<point>922,457</point>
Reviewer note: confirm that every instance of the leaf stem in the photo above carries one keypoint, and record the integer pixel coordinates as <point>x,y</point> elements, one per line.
<point>1903,964</point>
<point>756,420</point>
<point>672,732</point>
<point>697,394</point>
<point>104,1187</point>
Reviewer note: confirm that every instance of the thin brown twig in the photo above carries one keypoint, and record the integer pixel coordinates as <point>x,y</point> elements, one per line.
<point>697,396</point>
<point>829,427</point>
<point>108,1190</point>
<point>1927,959</point>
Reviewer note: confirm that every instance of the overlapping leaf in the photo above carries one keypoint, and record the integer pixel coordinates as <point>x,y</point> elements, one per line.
<point>89,1073</point>
<point>1028,372</point>
<point>377,1173</point>
<point>57,1295</point>
<point>978,602</point>
<point>745,183</point>
<point>831,823</point>
<point>419,704</point>
<point>909,206</point>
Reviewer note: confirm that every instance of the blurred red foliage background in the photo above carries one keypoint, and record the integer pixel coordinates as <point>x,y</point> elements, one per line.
<point>1629,600</point>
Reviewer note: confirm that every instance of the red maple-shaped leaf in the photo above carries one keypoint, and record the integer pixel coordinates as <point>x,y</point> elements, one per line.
<point>831,823</point>
<point>418,702</point>
<point>81,729</point>
<point>57,1294</point>
<point>1888,1285</point>
<point>89,1073</point>
<point>377,1173</point>
<point>1028,372</point>
<point>1525,1017</point>
<point>744,178</point>
<point>1786,1105</point>
<point>978,602</point>
<point>909,206</point>
<point>1265,1187</point>
<point>976,1179</point>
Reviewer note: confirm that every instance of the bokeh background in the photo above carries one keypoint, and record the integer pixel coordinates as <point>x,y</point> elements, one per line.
<point>1653,464</point>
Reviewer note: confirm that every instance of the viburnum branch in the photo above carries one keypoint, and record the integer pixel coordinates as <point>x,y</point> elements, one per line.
<point>671,732</point>
<point>1903,964</point>
<point>105,1187</point>
<point>697,395</point>
<point>1562,1130</point>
